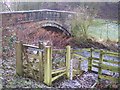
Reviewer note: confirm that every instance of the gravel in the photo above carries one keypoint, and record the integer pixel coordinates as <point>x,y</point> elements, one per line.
<point>87,80</point>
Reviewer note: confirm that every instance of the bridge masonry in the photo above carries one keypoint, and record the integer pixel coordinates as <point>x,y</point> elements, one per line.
<point>54,18</point>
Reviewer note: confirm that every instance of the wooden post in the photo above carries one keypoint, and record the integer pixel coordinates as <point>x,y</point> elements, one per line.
<point>41,66</point>
<point>41,45</point>
<point>79,67</point>
<point>48,66</point>
<point>71,69</point>
<point>100,64</point>
<point>90,60</point>
<point>19,61</point>
<point>68,57</point>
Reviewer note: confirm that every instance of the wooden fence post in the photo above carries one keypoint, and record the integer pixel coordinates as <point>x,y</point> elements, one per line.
<point>48,66</point>
<point>90,60</point>
<point>100,64</point>
<point>79,67</point>
<point>41,66</point>
<point>68,58</point>
<point>19,60</point>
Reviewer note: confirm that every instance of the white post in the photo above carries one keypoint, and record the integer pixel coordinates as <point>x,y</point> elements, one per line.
<point>71,69</point>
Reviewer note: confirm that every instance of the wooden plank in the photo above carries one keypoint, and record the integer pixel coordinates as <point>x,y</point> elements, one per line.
<point>107,67</point>
<point>77,50</point>
<point>59,70</point>
<point>111,53</point>
<point>80,56</point>
<point>96,50</point>
<point>19,60</point>
<point>35,49</point>
<point>109,78</point>
<point>109,61</point>
<point>56,77</point>
<point>86,49</point>
<point>32,46</point>
<point>111,68</point>
<point>95,62</point>
<point>33,56</point>
<point>107,52</point>
<point>97,72</point>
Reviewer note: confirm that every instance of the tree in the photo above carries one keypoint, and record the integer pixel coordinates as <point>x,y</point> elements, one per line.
<point>82,20</point>
<point>5,5</point>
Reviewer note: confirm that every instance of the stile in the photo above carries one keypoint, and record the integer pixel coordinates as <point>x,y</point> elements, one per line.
<point>19,61</point>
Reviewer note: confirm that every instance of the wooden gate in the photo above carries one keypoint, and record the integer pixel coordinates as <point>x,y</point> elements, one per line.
<point>29,61</point>
<point>37,63</point>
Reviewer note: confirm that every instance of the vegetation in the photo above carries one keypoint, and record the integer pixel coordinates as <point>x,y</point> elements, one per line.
<point>100,29</point>
<point>104,30</point>
<point>82,21</point>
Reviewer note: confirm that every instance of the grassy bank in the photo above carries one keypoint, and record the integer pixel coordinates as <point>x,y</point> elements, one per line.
<point>102,29</point>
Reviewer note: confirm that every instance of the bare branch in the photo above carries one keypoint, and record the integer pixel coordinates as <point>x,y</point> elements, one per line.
<point>6,5</point>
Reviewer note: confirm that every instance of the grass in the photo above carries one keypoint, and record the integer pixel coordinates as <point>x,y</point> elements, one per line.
<point>100,27</point>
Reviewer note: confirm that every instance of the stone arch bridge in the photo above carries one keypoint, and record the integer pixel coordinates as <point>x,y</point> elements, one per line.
<point>45,17</point>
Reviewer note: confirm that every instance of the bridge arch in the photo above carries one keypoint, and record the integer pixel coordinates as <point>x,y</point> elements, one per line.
<point>53,24</point>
